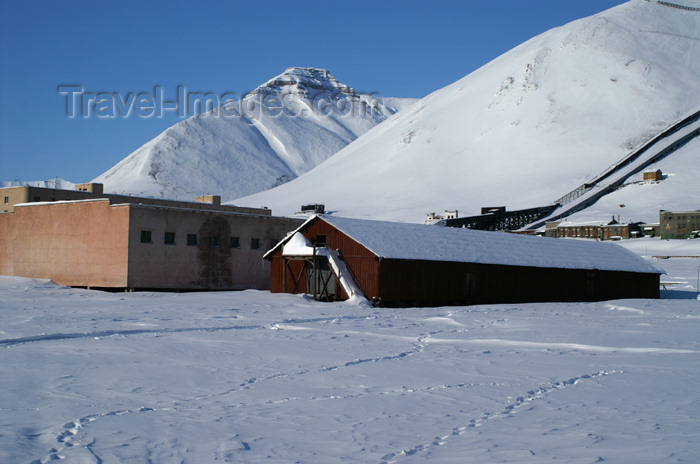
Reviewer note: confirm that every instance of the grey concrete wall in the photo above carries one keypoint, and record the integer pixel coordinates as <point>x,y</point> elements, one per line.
<point>212,263</point>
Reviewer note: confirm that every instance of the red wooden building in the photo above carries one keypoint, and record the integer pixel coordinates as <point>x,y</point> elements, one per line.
<point>397,264</point>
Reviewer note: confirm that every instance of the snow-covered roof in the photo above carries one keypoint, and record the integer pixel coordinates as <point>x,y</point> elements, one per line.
<point>590,223</point>
<point>297,245</point>
<point>395,240</point>
<point>59,202</point>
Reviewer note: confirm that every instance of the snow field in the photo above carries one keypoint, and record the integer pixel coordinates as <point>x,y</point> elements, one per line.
<point>92,377</point>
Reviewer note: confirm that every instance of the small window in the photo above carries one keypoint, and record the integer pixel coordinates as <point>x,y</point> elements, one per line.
<point>254,243</point>
<point>213,241</point>
<point>7,200</point>
<point>146,236</point>
<point>320,240</point>
<point>169,238</point>
<point>191,239</point>
<point>235,242</point>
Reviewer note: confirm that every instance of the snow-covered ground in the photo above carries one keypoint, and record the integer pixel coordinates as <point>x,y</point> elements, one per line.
<point>682,277</point>
<point>93,377</point>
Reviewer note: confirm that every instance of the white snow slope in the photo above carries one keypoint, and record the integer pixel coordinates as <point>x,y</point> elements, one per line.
<point>282,129</point>
<point>56,183</point>
<point>524,129</point>
<point>250,377</point>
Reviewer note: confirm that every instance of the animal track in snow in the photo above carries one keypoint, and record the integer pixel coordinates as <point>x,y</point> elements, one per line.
<point>157,331</point>
<point>508,410</point>
<point>67,438</point>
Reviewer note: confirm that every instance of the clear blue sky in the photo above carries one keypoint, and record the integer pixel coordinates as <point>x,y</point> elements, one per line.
<point>403,48</point>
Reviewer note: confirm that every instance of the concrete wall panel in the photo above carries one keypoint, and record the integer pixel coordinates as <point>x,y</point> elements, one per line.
<point>78,244</point>
<point>228,254</point>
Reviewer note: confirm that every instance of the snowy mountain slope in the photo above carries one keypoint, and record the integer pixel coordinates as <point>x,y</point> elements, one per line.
<point>282,129</point>
<point>524,129</point>
<point>641,201</point>
<point>662,150</point>
<point>56,183</point>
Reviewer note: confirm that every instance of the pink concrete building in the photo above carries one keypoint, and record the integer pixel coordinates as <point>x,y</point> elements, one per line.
<point>102,243</point>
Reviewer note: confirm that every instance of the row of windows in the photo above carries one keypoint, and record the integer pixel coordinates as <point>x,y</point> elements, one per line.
<point>213,241</point>
<point>605,232</point>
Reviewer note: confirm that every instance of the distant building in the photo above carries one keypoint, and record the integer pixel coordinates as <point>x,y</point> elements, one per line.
<point>613,230</point>
<point>12,196</point>
<point>651,230</point>
<point>432,218</point>
<point>653,175</point>
<point>85,238</point>
<point>398,264</point>
<point>95,188</point>
<point>679,224</point>
<point>315,208</point>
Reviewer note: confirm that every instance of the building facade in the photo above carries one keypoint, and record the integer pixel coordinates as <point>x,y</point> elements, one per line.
<point>12,196</point>
<point>419,265</point>
<point>653,175</point>
<point>611,231</point>
<point>672,225</point>
<point>679,224</point>
<point>103,243</point>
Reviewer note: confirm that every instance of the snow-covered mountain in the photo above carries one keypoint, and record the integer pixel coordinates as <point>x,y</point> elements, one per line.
<point>56,183</point>
<point>528,127</point>
<point>273,134</point>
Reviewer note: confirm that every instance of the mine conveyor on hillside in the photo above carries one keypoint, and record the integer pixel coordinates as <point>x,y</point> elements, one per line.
<point>668,141</point>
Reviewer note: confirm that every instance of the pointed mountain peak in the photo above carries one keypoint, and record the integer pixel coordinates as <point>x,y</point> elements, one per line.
<point>305,81</point>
